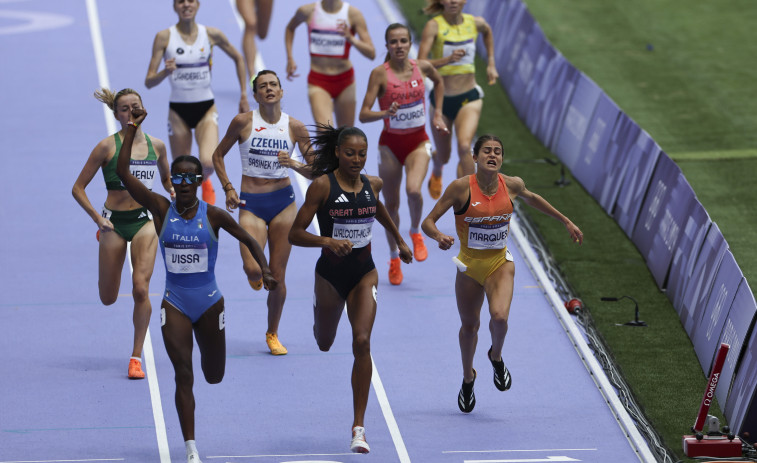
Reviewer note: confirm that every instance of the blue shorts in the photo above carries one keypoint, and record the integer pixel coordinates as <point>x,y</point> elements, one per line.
<point>192,302</point>
<point>268,205</point>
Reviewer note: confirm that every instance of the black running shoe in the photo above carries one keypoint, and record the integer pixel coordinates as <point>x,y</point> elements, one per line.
<point>466,399</point>
<point>502,379</point>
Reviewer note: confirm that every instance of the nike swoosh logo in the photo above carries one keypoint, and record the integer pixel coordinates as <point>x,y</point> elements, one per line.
<point>211,294</point>
<point>174,220</point>
<point>292,195</point>
<point>476,203</point>
<point>260,129</point>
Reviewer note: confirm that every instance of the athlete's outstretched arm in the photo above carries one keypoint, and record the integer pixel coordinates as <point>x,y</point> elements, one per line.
<point>222,219</point>
<point>455,196</point>
<point>299,17</point>
<point>155,203</point>
<point>301,137</point>
<point>317,194</point>
<point>154,77</point>
<point>229,139</point>
<point>363,43</point>
<point>486,31</point>
<point>219,38</point>
<point>517,188</point>
<point>376,86</point>
<point>383,217</point>
<point>430,71</point>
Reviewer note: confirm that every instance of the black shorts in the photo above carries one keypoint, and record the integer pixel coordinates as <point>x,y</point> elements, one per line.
<point>344,273</point>
<point>192,113</point>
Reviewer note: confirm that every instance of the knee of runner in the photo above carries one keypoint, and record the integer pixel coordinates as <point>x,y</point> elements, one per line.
<point>470,328</point>
<point>413,191</point>
<point>361,345</point>
<point>183,375</point>
<point>140,293</point>
<point>499,319</point>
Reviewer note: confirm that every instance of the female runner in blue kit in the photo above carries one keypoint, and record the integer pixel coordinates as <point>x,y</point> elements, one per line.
<point>192,303</point>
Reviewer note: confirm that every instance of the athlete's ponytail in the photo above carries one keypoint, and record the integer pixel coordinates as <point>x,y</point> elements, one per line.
<point>433,7</point>
<point>110,99</point>
<point>323,146</point>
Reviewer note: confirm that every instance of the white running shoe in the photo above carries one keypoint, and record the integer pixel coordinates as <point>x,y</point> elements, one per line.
<point>358,444</point>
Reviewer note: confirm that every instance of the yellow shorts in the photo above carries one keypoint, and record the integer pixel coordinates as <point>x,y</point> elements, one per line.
<point>480,268</point>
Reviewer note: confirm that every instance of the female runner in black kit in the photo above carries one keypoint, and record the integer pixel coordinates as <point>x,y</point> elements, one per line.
<point>346,203</point>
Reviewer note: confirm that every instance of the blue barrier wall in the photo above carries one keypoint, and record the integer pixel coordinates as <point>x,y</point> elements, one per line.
<point>644,190</point>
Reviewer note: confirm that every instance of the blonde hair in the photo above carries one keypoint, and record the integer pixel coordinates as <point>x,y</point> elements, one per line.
<point>433,7</point>
<point>110,98</point>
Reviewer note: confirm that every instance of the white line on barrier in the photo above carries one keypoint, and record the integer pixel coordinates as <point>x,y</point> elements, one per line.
<point>152,376</point>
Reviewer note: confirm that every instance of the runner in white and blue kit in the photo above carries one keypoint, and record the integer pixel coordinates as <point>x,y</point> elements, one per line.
<point>192,303</point>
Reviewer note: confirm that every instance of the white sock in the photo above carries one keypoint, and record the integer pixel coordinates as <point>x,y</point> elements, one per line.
<point>394,253</point>
<point>191,447</point>
<point>414,230</point>
<point>137,359</point>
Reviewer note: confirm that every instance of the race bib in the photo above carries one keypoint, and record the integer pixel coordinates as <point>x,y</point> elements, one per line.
<point>263,164</point>
<point>470,51</point>
<point>329,43</point>
<point>409,116</point>
<point>488,236</point>
<point>186,258</point>
<point>144,170</point>
<point>191,76</point>
<point>358,231</point>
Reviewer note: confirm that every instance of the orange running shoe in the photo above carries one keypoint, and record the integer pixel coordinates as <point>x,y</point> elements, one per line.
<point>135,369</point>
<point>97,235</point>
<point>395,272</point>
<point>208,193</point>
<point>419,247</point>
<point>256,285</point>
<point>274,345</point>
<point>435,186</point>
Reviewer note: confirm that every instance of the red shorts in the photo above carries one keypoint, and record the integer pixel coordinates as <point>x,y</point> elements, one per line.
<point>335,84</point>
<point>402,144</point>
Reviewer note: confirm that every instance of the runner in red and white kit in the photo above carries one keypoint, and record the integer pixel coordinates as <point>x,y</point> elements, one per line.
<point>398,85</point>
<point>334,27</point>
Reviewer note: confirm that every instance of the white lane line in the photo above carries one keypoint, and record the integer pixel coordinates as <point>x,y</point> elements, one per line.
<point>524,460</point>
<point>63,461</point>
<point>518,450</point>
<point>283,455</point>
<point>102,67</point>
<point>152,376</point>
<point>391,423</point>
<point>378,386</point>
